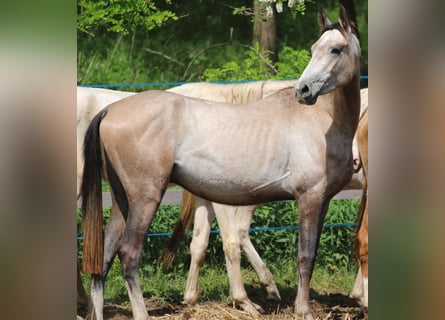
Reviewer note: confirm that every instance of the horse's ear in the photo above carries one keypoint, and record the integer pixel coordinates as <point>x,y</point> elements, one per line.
<point>323,19</point>
<point>343,19</point>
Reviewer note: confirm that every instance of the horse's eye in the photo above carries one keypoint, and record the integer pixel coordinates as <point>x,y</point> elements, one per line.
<point>336,50</point>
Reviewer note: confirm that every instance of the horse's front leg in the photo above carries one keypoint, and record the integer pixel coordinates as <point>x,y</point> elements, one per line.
<point>244,216</point>
<point>311,217</point>
<point>231,246</point>
<point>204,215</point>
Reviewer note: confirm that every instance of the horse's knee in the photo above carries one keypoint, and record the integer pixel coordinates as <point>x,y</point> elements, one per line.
<point>244,237</point>
<point>197,250</point>
<point>232,250</point>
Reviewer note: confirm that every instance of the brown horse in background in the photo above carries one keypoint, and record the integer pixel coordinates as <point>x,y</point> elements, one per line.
<point>360,290</point>
<point>274,149</point>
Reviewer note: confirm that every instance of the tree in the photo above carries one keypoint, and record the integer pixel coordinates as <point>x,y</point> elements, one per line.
<point>265,23</point>
<point>265,29</point>
<point>120,16</point>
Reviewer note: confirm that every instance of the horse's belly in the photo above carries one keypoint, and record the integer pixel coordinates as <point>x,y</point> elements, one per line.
<point>233,186</point>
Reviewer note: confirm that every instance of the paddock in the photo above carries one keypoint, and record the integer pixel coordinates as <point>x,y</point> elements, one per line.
<point>328,307</point>
<point>327,304</point>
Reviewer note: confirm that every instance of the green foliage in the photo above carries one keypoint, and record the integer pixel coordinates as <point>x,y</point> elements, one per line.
<point>335,247</point>
<point>291,63</point>
<point>275,247</point>
<point>253,67</point>
<point>257,66</point>
<point>121,16</point>
<point>278,249</point>
<point>174,53</point>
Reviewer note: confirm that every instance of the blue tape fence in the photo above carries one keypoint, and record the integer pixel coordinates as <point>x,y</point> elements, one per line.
<point>170,84</point>
<point>328,225</point>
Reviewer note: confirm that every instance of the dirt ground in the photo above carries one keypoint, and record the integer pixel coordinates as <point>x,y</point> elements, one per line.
<point>325,307</point>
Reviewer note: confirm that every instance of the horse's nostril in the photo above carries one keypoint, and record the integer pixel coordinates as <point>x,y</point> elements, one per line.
<point>305,91</point>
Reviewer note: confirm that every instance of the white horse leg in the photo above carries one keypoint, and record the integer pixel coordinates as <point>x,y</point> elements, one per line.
<point>204,215</point>
<point>357,290</point>
<point>244,216</point>
<point>231,245</point>
<point>97,296</point>
<point>360,290</point>
<point>362,237</point>
<point>365,292</point>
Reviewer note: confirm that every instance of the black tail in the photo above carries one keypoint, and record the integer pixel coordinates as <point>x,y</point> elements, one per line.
<point>91,192</point>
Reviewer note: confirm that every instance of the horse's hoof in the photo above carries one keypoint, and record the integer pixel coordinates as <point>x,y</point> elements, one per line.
<point>303,315</point>
<point>252,308</point>
<point>307,316</point>
<point>190,301</point>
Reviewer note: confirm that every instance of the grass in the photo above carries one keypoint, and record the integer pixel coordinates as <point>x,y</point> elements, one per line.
<point>333,272</point>
<point>214,285</point>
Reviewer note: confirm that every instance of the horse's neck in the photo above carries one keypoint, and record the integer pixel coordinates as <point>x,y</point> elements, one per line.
<point>346,106</point>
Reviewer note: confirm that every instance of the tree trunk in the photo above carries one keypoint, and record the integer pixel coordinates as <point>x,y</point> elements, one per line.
<point>265,29</point>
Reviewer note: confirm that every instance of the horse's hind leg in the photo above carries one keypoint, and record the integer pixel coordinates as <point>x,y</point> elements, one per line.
<point>362,238</point>
<point>357,290</point>
<point>231,245</point>
<point>244,216</point>
<point>113,234</point>
<point>204,215</point>
<point>141,213</point>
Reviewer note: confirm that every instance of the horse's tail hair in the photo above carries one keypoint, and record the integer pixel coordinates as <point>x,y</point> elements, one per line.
<point>181,229</point>
<point>91,192</point>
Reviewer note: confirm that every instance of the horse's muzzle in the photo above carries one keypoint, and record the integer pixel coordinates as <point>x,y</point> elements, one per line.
<point>304,95</point>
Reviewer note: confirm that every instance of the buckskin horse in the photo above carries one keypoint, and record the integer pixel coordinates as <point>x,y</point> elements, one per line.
<point>278,148</point>
<point>92,100</point>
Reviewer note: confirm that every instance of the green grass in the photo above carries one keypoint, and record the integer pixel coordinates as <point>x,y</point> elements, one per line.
<point>214,285</point>
<point>333,273</point>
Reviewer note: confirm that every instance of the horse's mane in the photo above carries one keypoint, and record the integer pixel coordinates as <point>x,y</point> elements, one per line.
<point>233,93</point>
<point>239,93</point>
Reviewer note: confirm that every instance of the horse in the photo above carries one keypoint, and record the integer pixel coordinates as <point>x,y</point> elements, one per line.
<point>360,290</point>
<point>279,148</point>
<point>204,213</point>
<point>91,100</point>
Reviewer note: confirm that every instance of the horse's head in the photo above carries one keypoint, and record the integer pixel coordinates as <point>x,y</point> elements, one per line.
<point>335,57</point>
